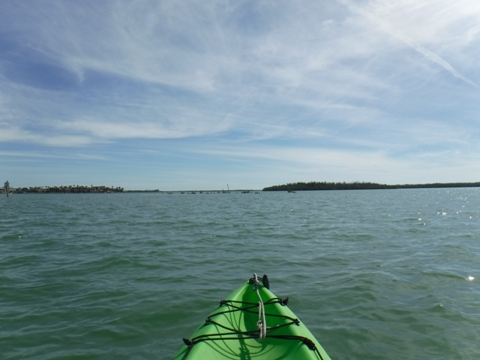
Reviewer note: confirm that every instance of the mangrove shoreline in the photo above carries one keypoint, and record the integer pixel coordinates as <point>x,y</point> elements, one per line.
<point>303,186</point>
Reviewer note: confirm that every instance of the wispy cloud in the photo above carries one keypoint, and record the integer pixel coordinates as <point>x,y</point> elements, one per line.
<point>15,134</point>
<point>384,25</point>
<point>50,155</point>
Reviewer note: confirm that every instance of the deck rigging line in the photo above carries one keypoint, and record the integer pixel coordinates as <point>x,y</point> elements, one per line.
<point>262,331</point>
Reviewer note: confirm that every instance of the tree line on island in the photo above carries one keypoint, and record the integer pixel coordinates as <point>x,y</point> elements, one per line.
<point>76,189</point>
<point>314,185</point>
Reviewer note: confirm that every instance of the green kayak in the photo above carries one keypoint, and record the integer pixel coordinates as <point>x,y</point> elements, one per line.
<point>252,324</point>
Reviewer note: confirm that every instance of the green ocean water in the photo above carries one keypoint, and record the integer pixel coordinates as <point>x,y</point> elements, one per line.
<point>383,274</point>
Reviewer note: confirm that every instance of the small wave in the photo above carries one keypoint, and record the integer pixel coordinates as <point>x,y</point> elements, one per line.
<point>439,274</point>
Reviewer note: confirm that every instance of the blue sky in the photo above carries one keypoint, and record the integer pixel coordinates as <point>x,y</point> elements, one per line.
<point>183,95</point>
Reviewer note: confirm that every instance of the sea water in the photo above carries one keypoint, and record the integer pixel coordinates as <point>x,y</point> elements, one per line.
<point>382,274</point>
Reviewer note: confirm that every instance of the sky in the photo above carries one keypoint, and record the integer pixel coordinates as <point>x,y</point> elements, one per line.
<point>195,95</point>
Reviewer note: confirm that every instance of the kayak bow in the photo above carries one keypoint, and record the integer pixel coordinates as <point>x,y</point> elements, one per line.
<point>252,323</point>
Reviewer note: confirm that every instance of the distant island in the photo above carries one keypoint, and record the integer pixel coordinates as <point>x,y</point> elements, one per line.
<point>303,186</point>
<point>76,189</point>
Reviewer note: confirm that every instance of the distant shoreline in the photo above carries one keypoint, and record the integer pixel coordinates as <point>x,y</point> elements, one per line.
<point>71,189</point>
<point>291,187</point>
<point>319,186</point>
<point>77,189</point>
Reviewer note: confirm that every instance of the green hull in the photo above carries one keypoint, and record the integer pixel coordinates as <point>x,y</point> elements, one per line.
<point>231,332</point>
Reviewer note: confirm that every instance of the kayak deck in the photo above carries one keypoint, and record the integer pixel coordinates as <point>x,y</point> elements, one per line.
<point>231,331</point>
